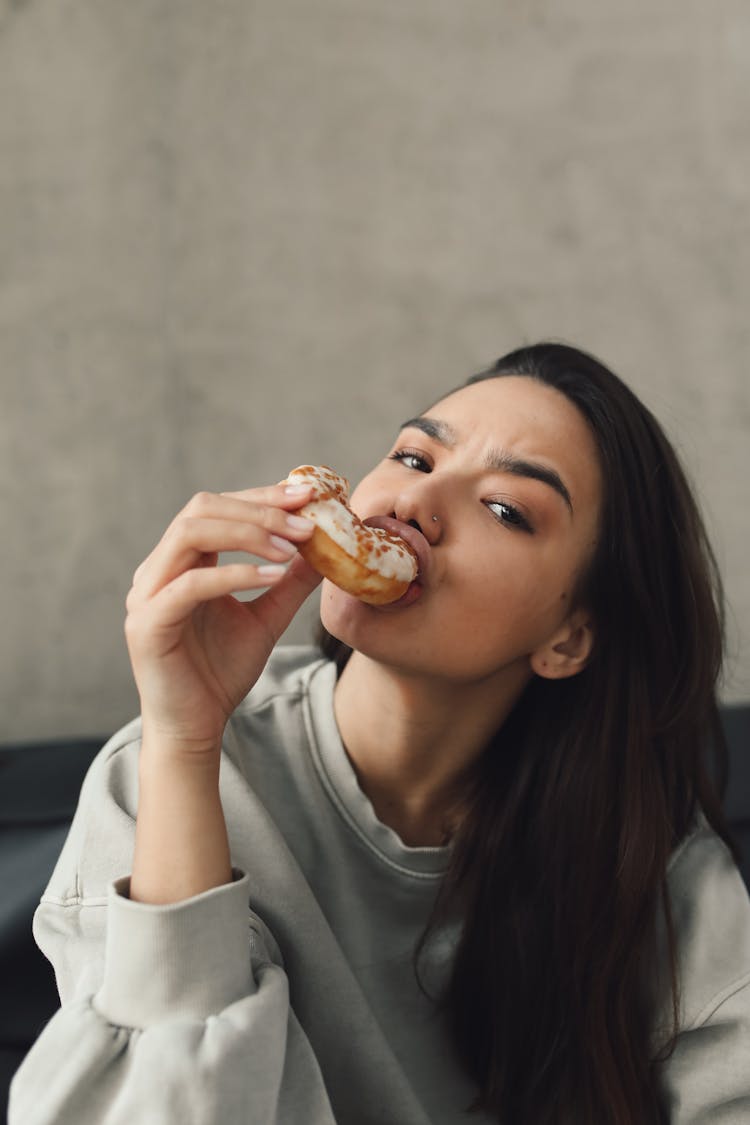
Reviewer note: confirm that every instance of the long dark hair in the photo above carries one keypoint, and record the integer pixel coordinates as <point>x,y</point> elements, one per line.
<point>558,865</point>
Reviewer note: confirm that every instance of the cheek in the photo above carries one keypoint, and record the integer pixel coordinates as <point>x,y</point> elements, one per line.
<point>523,600</point>
<point>488,579</point>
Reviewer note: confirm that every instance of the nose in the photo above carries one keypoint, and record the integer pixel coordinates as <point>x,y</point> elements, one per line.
<point>419,509</point>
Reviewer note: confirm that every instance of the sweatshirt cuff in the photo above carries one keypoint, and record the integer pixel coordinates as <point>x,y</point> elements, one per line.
<point>188,959</point>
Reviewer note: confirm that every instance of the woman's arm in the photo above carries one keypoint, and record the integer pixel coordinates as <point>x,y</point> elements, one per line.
<point>196,651</point>
<point>181,845</point>
<point>178,1013</point>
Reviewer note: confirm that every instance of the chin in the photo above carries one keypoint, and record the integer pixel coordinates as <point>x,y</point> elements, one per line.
<point>367,630</point>
<point>343,615</point>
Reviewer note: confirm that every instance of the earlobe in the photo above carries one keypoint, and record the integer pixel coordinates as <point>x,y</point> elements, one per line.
<point>567,652</point>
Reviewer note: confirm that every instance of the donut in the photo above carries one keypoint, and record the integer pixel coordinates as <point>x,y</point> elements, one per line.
<point>371,563</point>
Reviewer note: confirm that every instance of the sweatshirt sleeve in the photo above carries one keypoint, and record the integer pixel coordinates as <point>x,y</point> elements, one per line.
<point>176,1013</point>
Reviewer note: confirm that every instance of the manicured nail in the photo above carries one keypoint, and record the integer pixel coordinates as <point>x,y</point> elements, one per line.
<point>271,570</point>
<point>297,489</point>
<point>298,523</point>
<point>283,545</point>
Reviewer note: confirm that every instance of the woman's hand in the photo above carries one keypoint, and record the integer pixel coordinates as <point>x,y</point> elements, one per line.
<point>195,649</point>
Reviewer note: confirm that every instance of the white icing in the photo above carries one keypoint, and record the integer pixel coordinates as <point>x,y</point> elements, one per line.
<point>339,522</point>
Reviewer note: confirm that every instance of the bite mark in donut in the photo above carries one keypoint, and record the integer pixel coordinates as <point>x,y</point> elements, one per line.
<point>374,565</point>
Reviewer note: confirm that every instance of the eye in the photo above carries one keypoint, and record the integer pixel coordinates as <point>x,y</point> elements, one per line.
<point>509,516</point>
<point>412,460</point>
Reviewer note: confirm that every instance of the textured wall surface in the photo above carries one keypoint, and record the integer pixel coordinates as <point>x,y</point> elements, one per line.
<point>237,236</point>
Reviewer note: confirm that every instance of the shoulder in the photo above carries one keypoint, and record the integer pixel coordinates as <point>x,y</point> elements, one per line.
<point>287,673</point>
<point>704,1075</point>
<point>286,679</point>
<point>279,693</point>
<point>99,843</point>
<point>275,721</point>
<point>711,913</point>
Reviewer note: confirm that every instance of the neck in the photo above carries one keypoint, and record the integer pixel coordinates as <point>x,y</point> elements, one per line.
<point>413,740</point>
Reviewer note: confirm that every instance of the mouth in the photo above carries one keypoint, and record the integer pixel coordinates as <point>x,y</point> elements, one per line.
<point>410,535</point>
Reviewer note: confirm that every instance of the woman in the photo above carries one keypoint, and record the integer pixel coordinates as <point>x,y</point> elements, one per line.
<point>487,869</point>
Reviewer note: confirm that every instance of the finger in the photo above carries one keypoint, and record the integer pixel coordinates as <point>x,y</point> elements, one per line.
<point>275,608</point>
<point>242,506</point>
<point>282,495</point>
<point>207,559</point>
<point>193,541</point>
<point>234,505</point>
<point>174,603</point>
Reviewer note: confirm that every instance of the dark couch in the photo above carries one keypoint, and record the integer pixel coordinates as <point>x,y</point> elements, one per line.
<point>39,787</point>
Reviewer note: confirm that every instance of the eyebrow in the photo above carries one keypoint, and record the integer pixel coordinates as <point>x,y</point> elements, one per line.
<point>498,460</point>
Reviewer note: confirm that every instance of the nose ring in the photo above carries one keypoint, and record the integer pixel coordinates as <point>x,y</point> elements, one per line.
<point>435,519</point>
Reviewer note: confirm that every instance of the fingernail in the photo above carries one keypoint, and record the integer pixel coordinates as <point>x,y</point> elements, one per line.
<point>271,570</point>
<point>283,545</point>
<point>297,489</point>
<point>298,523</point>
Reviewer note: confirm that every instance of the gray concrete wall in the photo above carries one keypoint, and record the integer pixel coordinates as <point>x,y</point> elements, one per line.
<point>237,236</point>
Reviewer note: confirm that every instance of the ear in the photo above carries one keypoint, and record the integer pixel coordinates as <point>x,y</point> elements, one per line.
<point>568,650</point>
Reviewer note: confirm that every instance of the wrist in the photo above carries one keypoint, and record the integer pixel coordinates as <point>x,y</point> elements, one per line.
<point>160,743</point>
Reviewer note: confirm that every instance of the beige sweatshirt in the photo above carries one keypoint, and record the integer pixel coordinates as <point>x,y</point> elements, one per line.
<point>288,996</point>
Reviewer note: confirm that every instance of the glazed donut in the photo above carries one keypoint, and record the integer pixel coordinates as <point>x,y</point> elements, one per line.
<point>374,565</point>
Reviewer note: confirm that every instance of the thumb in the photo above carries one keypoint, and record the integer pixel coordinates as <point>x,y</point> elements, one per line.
<point>278,605</point>
<point>301,578</point>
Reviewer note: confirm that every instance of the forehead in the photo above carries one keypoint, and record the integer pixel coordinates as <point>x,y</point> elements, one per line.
<point>513,406</point>
<point>523,416</point>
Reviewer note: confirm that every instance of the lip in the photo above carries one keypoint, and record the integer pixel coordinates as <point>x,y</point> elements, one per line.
<point>410,535</point>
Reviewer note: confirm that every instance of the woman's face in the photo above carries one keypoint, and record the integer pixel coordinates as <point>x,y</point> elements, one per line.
<point>510,469</point>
